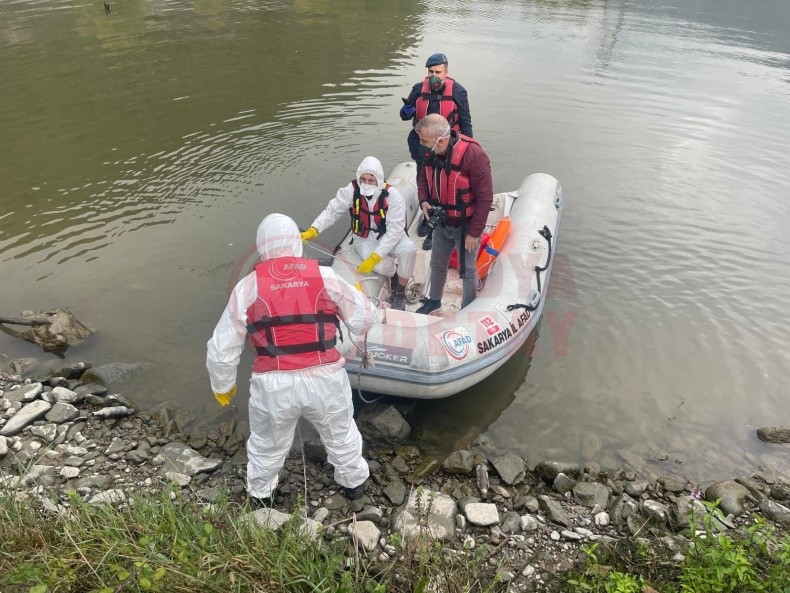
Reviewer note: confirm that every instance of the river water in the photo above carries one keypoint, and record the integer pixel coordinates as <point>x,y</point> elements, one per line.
<point>139,150</point>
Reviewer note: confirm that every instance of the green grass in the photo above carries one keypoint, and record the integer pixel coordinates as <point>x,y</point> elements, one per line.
<point>156,544</point>
<point>751,560</point>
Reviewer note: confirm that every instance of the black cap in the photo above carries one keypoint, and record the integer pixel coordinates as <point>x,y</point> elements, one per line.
<point>435,60</point>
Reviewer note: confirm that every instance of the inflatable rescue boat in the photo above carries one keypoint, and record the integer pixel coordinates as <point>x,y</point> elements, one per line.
<point>437,355</point>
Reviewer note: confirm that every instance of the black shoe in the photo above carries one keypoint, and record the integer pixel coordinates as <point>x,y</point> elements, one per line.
<point>356,492</point>
<point>428,243</point>
<point>423,229</point>
<point>399,299</point>
<point>260,503</point>
<point>429,305</point>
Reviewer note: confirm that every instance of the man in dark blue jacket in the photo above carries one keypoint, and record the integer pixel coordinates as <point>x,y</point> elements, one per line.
<point>437,93</point>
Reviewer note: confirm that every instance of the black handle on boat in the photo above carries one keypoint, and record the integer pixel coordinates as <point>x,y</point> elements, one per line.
<point>340,244</point>
<point>546,234</point>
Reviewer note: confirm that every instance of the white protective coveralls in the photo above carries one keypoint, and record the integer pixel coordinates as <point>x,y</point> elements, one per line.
<point>395,246</point>
<point>321,394</point>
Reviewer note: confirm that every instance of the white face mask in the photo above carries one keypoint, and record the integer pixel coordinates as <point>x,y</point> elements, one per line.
<point>367,190</point>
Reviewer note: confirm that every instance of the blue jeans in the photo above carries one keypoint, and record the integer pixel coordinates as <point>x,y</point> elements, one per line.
<point>445,239</point>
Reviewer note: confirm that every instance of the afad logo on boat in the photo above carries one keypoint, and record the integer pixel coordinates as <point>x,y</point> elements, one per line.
<point>457,342</point>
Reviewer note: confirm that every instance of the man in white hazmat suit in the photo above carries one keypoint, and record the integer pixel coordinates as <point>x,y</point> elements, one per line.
<point>378,221</point>
<point>289,307</point>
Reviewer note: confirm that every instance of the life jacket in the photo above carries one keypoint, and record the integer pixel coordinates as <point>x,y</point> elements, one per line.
<point>453,191</point>
<point>293,323</point>
<point>447,107</point>
<point>362,214</point>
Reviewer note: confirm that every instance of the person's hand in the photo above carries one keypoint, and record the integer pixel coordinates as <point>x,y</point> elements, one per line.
<point>408,111</point>
<point>224,398</point>
<point>366,267</point>
<point>310,233</point>
<point>470,243</point>
<point>426,207</point>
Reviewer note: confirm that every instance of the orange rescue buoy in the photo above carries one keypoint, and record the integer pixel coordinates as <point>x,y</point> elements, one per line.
<point>491,250</point>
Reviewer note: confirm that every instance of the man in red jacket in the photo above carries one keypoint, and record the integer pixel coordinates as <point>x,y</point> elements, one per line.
<point>457,179</point>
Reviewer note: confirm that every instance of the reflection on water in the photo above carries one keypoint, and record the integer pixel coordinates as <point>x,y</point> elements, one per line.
<point>141,148</point>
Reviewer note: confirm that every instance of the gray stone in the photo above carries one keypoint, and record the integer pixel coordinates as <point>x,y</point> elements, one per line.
<point>113,372</point>
<point>25,394</point>
<point>548,470</point>
<point>112,497</point>
<point>601,519</point>
<point>563,483</point>
<point>780,492</point>
<point>178,479</point>
<point>438,524</point>
<point>98,482</point>
<point>483,514</point>
<point>732,495</point>
<point>62,412</point>
<point>73,461</point>
<point>3,447</point>
<point>622,507</point>
<point>395,491</point>
<point>511,523</point>
<point>383,424</point>
<point>775,512</point>
<point>510,467</point>
<point>592,493</point>
<point>672,484</point>
<point>27,415</point>
<point>774,434</point>
<point>20,366</point>
<point>554,512</point>
<point>365,534</point>
<point>635,488</point>
<point>91,389</point>
<point>571,536</point>
<point>69,473</point>
<point>184,460</point>
<point>67,396</point>
<point>528,523</point>
<point>47,432</point>
<point>72,371</point>
<point>311,527</point>
<point>270,518</point>
<point>370,513</point>
<point>335,502</point>
<point>208,494</point>
<point>655,510</point>
<point>321,514</point>
<point>683,509</point>
<point>137,456</point>
<point>459,462</point>
<point>117,445</point>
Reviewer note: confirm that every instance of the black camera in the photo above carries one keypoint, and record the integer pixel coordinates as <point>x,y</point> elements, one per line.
<point>436,215</point>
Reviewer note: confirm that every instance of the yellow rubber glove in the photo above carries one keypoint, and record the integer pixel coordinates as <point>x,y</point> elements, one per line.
<point>224,398</point>
<point>366,267</point>
<point>310,233</point>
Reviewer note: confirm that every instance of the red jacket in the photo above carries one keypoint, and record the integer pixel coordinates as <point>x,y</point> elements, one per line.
<point>292,323</point>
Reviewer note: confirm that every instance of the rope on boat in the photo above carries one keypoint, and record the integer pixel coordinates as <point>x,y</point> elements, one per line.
<point>546,234</point>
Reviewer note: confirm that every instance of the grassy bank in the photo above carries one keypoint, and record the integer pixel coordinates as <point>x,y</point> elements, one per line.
<point>157,544</point>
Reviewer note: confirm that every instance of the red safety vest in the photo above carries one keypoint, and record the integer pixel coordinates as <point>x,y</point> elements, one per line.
<point>293,322</point>
<point>362,212</point>
<point>447,106</point>
<point>453,191</point>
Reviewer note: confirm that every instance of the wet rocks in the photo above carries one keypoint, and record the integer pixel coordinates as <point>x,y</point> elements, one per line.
<point>383,424</point>
<point>510,467</point>
<point>774,434</point>
<point>26,415</point>
<point>113,372</point>
<point>548,470</point>
<point>459,462</point>
<point>732,495</point>
<point>182,459</point>
<point>775,511</point>
<point>592,494</point>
